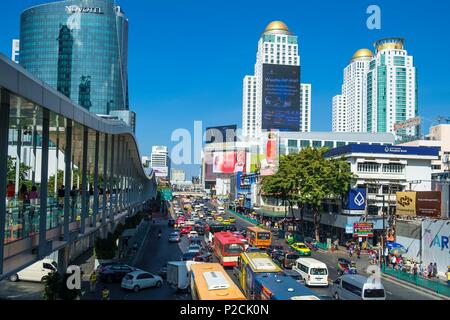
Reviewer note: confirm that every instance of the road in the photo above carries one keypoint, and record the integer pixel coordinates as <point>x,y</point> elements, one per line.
<point>394,291</point>
<point>156,252</point>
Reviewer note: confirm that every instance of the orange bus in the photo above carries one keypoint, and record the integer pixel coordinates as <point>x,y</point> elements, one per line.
<point>258,237</point>
<point>209,281</point>
<point>227,248</point>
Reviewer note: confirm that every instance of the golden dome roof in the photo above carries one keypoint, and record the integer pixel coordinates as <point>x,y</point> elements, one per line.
<point>362,53</point>
<point>277,27</point>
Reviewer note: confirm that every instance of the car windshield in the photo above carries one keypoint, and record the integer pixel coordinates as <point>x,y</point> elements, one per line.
<point>174,234</point>
<point>374,293</point>
<point>264,236</point>
<point>302,246</point>
<point>128,277</point>
<point>318,272</point>
<point>292,256</point>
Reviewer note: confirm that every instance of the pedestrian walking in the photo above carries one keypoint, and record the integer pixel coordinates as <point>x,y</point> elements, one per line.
<point>415,270</point>
<point>394,261</point>
<point>430,270</point>
<point>358,252</point>
<point>448,275</point>
<point>435,270</point>
<point>93,281</point>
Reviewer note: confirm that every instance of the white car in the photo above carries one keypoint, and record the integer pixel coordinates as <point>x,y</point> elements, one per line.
<point>194,247</point>
<point>138,280</point>
<point>192,234</point>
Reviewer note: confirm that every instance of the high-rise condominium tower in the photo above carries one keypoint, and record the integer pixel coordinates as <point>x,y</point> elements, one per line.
<point>378,90</point>
<point>273,97</point>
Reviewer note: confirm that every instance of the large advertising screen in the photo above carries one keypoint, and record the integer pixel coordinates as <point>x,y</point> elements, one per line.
<point>229,161</point>
<point>161,172</point>
<point>281,97</point>
<point>221,134</point>
<point>266,159</point>
<point>420,204</point>
<point>435,243</point>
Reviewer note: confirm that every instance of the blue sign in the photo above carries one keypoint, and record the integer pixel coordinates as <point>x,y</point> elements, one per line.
<point>387,149</point>
<point>355,199</point>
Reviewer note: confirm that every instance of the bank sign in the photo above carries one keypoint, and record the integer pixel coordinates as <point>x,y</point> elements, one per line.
<point>355,201</point>
<point>77,9</point>
<point>435,243</point>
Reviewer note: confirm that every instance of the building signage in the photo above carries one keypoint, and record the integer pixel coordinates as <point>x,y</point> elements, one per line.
<point>428,204</point>
<point>376,149</point>
<point>355,200</point>
<point>77,9</point>
<point>349,228</point>
<point>363,230</point>
<point>420,204</point>
<point>406,203</point>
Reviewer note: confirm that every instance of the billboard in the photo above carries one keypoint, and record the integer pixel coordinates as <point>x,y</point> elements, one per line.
<point>281,97</point>
<point>428,204</point>
<point>266,159</point>
<point>221,134</point>
<point>435,243</point>
<point>413,122</point>
<point>363,230</point>
<point>355,200</point>
<point>229,161</point>
<point>161,172</point>
<point>420,204</point>
<point>406,203</point>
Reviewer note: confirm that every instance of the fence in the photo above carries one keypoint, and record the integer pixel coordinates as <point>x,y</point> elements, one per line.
<point>255,222</point>
<point>435,286</point>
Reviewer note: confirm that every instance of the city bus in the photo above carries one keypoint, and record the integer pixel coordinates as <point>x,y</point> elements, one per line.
<point>258,237</point>
<point>250,264</point>
<point>227,248</point>
<point>276,286</point>
<point>209,281</point>
<point>214,226</point>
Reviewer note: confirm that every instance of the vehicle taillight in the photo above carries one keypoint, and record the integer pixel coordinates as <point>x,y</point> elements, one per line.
<point>309,277</point>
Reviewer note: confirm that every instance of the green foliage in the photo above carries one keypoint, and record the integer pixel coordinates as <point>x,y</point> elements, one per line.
<point>105,248</point>
<point>55,287</point>
<point>23,172</point>
<point>307,178</point>
<point>51,286</point>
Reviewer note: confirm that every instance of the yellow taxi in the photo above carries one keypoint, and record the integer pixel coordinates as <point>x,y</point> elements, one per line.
<point>301,249</point>
<point>219,218</point>
<point>226,221</point>
<point>232,219</point>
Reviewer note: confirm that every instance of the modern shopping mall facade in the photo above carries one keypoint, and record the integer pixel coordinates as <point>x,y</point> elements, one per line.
<point>80,48</point>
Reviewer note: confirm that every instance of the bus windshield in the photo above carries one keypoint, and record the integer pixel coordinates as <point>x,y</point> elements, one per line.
<point>233,248</point>
<point>264,235</point>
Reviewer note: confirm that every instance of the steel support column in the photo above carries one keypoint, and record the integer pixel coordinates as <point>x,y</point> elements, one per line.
<point>116,175</point>
<point>105,180</point>
<point>111,181</point>
<point>84,187</point>
<point>67,178</point>
<point>5,102</point>
<point>96,191</point>
<point>43,250</point>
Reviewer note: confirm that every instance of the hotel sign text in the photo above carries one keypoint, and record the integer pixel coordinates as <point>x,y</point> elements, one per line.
<point>77,9</point>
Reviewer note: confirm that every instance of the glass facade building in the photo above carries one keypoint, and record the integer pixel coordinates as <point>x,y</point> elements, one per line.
<point>79,48</point>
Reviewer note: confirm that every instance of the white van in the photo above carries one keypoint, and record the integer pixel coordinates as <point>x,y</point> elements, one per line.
<point>36,272</point>
<point>314,272</point>
<point>357,287</point>
<point>220,210</point>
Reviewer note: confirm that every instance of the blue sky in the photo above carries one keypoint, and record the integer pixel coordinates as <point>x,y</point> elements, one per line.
<point>187,58</point>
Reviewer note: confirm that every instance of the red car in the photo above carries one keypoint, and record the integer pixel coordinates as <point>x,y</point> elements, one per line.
<point>186,230</point>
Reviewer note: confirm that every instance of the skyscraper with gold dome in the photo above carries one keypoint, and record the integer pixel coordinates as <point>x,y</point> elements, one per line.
<point>274,98</point>
<point>379,90</point>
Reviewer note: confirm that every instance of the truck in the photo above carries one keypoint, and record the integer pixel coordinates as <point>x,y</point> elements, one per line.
<point>178,274</point>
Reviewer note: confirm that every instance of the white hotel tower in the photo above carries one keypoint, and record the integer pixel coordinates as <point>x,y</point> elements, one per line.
<point>378,90</point>
<point>277,45</point>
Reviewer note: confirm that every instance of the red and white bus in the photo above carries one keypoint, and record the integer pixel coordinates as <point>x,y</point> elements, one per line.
<point>227,248</point>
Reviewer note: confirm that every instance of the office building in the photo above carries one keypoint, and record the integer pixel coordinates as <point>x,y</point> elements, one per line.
<point>79,48</point>
<point>379,90</point>
<point>15,52</point>
<point>160,161</point>
<point>274,98</point>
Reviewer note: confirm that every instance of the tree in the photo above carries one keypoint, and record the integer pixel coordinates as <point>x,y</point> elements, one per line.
<point>23,171</point>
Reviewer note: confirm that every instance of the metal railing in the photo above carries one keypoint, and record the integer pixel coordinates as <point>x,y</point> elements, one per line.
<point>433,285</point>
